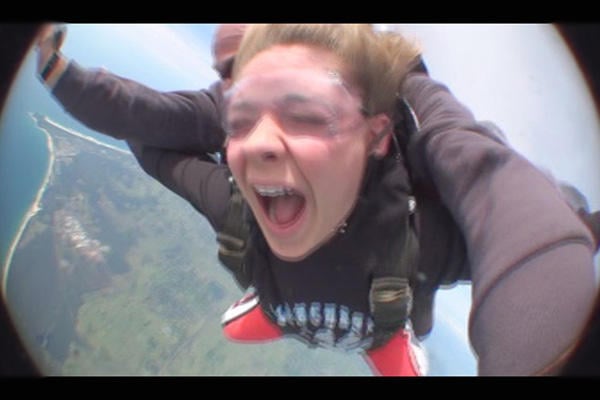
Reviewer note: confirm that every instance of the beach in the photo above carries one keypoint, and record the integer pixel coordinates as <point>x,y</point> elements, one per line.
<point>42,123</point>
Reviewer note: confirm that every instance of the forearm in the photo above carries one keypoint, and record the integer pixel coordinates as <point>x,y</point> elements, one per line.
<point>532,268</point>
<point>124,109</point>
<point>202,183</point>
<point>530,255</point>
<point>531,316</point>
<point>52,73</point>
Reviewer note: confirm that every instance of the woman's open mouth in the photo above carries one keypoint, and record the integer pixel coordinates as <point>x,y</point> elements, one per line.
<point>283,206</point>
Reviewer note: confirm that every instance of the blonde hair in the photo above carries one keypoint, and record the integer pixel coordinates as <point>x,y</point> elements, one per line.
<point>376,62</point>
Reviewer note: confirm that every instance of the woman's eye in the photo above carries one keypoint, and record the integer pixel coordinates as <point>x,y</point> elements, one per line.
<point>308,122</point>
<point>309,119</point>
<point>239,126</point>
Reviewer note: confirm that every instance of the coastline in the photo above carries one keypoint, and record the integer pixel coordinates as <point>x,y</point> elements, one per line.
<point>75,133</point>
<point>35,206</point>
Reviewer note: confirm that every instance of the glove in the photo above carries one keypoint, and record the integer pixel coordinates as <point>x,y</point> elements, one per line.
<point>49,41</point>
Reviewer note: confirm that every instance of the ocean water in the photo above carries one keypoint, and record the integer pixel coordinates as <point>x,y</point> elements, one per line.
<point>23,152</point>
<point>24,161</point>
<point>23,164</point>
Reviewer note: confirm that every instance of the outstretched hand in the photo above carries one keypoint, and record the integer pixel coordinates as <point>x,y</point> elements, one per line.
<point>50,39</point>
<point>50,63</point>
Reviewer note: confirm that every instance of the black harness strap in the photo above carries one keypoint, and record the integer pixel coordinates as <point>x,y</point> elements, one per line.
<point>391,295</point>
<point>234,236</point>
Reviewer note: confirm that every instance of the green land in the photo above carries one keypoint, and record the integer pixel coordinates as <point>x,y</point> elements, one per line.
<point>115,275</point>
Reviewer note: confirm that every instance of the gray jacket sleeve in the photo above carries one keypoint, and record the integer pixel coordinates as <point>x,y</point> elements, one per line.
<point>195,178</point>
<point>531,258</point>
<point>124,109</point>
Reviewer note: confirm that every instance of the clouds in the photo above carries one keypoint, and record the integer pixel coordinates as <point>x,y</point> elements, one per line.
<point>163,56</point>
<point>189,56</point>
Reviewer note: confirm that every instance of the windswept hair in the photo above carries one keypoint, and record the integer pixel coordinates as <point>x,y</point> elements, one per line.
<point>377,62</point>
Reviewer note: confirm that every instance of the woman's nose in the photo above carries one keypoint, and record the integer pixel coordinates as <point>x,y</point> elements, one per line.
<point>264,143</point>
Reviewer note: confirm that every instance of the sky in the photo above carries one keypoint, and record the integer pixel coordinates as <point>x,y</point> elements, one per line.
<point>180,50</point>
<point>523,78</point>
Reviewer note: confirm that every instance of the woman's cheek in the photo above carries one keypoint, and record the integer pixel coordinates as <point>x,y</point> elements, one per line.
<point>234,158</point>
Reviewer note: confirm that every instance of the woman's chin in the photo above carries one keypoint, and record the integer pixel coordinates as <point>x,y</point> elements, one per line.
<point>289,253</point>
<point>294,252</point>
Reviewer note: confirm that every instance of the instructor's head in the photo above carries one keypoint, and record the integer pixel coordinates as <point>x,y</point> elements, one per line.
<point>226,41</point>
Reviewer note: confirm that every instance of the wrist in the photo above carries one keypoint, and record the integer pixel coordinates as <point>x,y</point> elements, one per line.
<point>53,69</point>
<point>49,67</point>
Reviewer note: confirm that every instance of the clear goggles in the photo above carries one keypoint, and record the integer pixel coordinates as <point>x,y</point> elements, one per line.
<point>302,102</point>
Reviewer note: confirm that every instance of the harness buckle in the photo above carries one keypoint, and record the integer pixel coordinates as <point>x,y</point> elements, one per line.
<point>390,300</point>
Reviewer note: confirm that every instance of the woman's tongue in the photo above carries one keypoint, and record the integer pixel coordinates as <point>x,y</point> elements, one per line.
<point>283,209</point>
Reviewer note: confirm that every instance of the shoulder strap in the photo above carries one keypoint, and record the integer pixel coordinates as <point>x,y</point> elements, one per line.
<point>391,295</point>
<point>234,236</point>
<point>445,262</point>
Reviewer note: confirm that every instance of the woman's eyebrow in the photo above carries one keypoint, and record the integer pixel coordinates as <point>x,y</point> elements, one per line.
<point>296,98</point>
<point>244,105</point>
